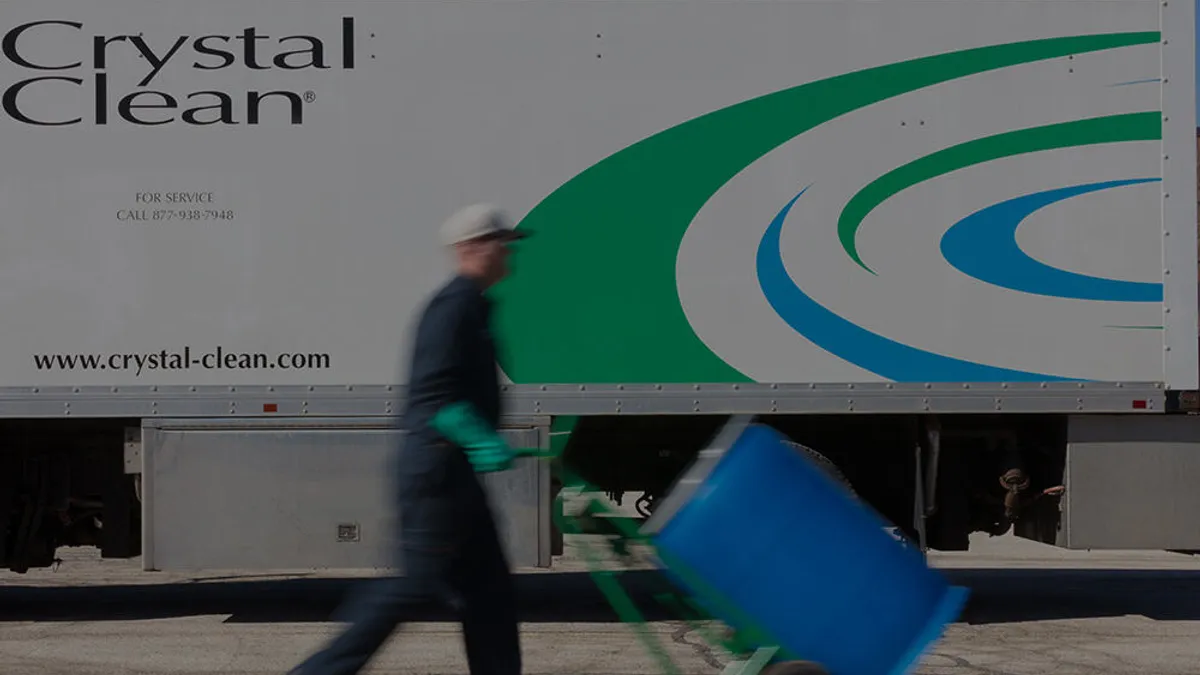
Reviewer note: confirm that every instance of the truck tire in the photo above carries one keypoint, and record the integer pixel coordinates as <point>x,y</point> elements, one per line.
<point>833,472</point>
<point>825,464</point>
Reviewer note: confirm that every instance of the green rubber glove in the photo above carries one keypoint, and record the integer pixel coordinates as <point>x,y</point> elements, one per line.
<point>485,449</point>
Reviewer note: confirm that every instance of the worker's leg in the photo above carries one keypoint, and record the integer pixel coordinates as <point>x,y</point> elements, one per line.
<point>428,554</point>
<point>489,607</point>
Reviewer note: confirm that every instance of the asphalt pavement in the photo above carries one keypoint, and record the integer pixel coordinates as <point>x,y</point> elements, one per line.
<point>1034,610</point>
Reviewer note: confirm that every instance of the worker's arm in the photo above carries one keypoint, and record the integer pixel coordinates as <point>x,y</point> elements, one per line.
<point>462,424</point>
<point>435,369</point>
<point>436,364</point>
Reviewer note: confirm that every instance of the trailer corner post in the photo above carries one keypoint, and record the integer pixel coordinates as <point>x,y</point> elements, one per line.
<point>1181,362</point>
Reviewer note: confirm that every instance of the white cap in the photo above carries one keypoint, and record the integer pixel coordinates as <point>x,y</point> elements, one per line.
<point>478,220</point>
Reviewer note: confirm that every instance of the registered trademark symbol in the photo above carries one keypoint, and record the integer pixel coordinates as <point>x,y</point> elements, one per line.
<point>310,96</point>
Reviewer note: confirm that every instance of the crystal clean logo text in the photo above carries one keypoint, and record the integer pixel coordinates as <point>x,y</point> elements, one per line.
<point>60,58</point>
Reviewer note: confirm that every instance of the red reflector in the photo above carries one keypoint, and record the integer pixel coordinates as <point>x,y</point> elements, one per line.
<point>270,407</point>
<point>1139,405</point>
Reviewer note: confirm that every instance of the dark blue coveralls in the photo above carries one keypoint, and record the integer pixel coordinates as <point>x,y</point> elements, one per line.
<point>449,545</point>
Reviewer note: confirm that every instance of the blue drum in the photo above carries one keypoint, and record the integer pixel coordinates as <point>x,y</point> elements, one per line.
<point>765,538</point>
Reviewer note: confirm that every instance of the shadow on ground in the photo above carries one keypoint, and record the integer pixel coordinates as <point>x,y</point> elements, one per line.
<point>997,596</point>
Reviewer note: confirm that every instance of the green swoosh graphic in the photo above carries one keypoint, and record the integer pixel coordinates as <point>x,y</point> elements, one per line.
<point>593,297</point>
<point>1142,126</point>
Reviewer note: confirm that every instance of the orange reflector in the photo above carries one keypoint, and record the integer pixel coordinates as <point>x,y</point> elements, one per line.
<point>270,407</point>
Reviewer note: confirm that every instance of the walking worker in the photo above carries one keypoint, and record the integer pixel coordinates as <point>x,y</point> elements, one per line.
<point>449,546</point>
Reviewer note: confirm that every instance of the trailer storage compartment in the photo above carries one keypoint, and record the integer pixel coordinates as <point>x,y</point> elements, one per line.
<point>1132,483</point>
<point>303,494</point>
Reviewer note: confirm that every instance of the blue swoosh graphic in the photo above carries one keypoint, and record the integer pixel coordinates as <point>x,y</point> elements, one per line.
<point>984,246</point>
<point>872,352</point>
<point>1132,82</point>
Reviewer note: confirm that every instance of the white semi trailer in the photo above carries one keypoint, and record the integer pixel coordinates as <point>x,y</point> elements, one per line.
<point>949,245</point>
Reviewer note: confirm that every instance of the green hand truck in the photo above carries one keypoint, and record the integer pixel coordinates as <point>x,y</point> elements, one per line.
<point>769,558</point>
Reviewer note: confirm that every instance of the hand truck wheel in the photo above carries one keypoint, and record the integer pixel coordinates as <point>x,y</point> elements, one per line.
<point>794,668</point>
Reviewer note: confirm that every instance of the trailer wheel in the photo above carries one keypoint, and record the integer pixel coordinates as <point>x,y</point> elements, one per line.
<point>833,472</point>
<point>825,464</point>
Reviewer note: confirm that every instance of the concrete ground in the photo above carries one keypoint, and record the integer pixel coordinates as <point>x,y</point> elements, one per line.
<point>1034,610</point>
